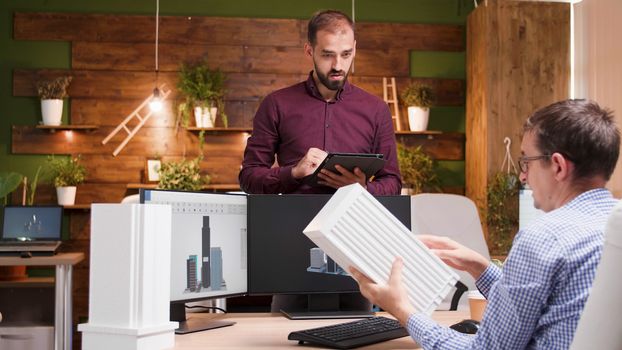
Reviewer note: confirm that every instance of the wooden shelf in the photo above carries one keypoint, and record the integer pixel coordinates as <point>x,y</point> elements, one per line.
<point>210,187</point>
<point>218,130</point>
<point>29,282</point>
<point>439,145</point>
<point>77,206</point>
<point>426,132</point>
<point>53,128</point>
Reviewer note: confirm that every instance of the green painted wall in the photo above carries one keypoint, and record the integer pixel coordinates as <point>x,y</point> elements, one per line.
<point>34,54</point>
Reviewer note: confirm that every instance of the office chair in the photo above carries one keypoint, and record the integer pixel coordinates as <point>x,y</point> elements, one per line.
<point>456,217</point>
<point>134,198</point>
<point>599,327</point>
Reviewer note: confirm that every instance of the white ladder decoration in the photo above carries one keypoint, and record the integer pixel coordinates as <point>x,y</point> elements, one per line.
<point>141,120</point>
<point>392,101</point>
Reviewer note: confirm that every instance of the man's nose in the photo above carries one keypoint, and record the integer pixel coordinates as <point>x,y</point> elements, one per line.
<point>338,63</point>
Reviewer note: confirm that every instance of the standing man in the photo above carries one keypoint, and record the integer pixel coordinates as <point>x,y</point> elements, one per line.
<point>569,151</point>
<point>301,123</point>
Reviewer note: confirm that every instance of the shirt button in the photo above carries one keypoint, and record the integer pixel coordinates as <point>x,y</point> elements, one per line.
<point>327,125</point>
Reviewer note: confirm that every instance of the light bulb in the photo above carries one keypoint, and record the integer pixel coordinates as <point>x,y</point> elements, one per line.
<point>156,102</point>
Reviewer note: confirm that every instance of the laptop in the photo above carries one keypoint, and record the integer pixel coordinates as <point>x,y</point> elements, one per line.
<point>30,230</point>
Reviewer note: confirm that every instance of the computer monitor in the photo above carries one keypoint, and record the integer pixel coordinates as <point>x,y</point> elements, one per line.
<point>282,260</point>
<point>208,250</point>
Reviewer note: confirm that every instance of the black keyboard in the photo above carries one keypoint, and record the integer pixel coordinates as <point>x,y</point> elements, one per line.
<point>352,334</point>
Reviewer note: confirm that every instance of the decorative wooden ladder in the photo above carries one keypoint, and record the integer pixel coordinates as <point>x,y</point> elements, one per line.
<point>141,120</point>
<point>392,101</point>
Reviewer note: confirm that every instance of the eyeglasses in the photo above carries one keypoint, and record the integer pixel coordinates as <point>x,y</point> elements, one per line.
<point>523,162</point>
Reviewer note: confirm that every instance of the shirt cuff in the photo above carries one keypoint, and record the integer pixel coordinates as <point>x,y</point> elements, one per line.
<point>287,180</point>
<point>418,325</point>
<point>485,281</point>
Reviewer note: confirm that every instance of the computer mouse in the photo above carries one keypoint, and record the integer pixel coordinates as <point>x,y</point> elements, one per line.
<point>466,326</point>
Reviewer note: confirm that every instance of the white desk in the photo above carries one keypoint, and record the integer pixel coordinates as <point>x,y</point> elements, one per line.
<point>269,331</point>
<point>62,307</point>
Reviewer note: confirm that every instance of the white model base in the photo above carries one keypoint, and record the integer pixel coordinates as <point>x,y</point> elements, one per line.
<point>146,338</point>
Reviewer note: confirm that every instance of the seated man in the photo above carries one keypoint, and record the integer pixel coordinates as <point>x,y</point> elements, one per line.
<point>569,151</point>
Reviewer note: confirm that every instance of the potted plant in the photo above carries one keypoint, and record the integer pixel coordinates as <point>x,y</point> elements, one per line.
<point>203,91</point>
<point>417,169</point>
<point>184,175</point>
<point>52,93</point>
<point>66,174</point>
<point>419,98</point>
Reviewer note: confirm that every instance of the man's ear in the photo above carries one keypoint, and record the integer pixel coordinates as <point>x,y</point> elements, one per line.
<point>563,167</point>
<point>308,49</point>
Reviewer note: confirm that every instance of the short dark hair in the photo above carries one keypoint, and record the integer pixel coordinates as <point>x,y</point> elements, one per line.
<point>582,132</point>
<point>329,20</point>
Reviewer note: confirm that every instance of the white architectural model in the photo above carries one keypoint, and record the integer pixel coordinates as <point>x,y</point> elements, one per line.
<point>356,230</point>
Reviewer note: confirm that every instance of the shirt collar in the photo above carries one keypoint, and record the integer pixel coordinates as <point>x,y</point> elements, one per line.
<point>313,90</point>
<point>598,194</point>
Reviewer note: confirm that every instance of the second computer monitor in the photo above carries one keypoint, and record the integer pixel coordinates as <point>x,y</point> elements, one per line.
<point>282,260</point>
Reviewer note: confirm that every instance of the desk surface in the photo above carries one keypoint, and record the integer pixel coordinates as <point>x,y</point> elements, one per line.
<point>269,331</point>
<point>57,259</point>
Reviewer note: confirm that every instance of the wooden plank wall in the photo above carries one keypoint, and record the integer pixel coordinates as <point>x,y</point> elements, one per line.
<point>112,63</point>
<point>517,61</point>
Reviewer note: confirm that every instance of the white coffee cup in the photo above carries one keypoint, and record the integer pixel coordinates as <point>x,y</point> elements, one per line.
<point>477,304</point>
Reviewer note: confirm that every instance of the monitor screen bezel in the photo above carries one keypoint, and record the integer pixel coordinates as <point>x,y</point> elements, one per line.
<point>36,239</point>
<point>141,194</point>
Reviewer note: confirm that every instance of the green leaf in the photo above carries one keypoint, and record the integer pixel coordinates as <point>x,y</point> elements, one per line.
<point>33,187</point>
<point>9,181</point>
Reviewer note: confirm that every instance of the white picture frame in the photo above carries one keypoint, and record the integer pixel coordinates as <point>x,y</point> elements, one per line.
<point>152,166</point>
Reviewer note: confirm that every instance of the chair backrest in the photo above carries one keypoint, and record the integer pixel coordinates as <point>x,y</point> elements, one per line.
<point>599,327</point>
<point>453,216</point>
<point>133,198</point>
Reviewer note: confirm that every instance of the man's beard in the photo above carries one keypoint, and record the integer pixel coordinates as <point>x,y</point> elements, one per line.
<point>331,85</point>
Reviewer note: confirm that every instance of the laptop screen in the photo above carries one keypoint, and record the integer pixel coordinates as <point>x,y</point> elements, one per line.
<point>25,224</point>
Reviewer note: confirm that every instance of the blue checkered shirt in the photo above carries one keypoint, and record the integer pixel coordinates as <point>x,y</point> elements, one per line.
<point>536,301</point>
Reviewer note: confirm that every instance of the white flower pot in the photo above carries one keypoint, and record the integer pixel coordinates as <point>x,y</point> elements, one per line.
<point>198,116</point>
<point>205,117</point>
<point>52,111</point>
<point>66,195</point>
<point>213,111</point>
<point>418,118</point>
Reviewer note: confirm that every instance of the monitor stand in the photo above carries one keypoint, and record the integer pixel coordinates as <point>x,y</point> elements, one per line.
<point>328,306</point>
<point>178,314</point>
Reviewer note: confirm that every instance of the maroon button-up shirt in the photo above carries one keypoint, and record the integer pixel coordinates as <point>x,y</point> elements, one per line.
<point>292,120</point>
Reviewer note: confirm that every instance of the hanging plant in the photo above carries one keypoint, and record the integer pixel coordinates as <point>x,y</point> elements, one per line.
<point>502,212</point>
<point>502,205</point>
